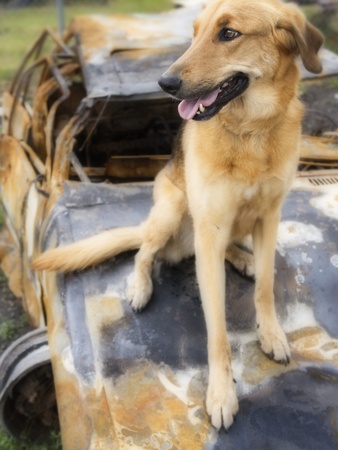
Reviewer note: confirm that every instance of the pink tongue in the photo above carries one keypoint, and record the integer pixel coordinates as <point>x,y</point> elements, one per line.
<point>188,108</point>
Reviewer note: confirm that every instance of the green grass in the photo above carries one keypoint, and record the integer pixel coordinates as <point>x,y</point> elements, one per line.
<point>8,443</point>
<point>20,27</point>
<point>9,328</point>
<point>327,22</point>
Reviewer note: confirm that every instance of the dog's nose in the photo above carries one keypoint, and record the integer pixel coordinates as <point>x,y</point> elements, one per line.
<point>170,83</point>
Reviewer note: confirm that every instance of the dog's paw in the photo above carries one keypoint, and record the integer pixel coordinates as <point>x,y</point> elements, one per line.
<point>222,404</point>
<point>241,260</point>
<point>274,342</point>
<point>139,292</point>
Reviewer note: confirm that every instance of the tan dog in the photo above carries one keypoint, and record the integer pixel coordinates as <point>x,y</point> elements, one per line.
<point>231,168</point>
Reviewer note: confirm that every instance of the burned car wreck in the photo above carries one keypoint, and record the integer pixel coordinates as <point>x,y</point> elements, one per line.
<point>85,130</point>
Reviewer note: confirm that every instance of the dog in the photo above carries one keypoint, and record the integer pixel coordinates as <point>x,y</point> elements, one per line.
<point>231,167</point>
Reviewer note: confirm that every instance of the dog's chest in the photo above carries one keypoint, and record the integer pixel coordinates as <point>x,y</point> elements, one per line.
<point>254,202</point>
<point>250,192</point>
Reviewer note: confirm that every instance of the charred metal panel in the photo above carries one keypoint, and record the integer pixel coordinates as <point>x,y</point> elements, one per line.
<point>151,367</point>
<point>20,206</point>
<point>319,152</point>
<point>116,50</point>
<point>20,118</point>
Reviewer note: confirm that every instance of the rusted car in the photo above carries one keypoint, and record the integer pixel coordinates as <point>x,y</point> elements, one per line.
<point>85,130</point>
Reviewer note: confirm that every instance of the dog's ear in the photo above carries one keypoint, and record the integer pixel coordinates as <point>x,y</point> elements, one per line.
<point>305,38</point>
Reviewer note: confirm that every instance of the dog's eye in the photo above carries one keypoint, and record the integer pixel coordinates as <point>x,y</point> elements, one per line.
<point>227,34</point>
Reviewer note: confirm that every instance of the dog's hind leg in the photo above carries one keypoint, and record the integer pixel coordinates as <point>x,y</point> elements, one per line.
<point>181,245</point>
<point>272,338</point>
<point>241,259</point>
<point>162,224</point>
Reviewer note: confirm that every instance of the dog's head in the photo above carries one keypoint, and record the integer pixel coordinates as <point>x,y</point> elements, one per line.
<point>237,44</point>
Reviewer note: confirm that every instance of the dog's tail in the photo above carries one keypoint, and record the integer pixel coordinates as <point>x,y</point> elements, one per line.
<point>90,251</point>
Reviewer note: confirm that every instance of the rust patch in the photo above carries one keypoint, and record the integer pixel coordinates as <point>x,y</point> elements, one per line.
<point>258,367</point>
<point>147,415</point>
<point>310,343</point>
<point>14,166</point>
<point>136,167</point>
<point>20,118</point>
<point>313,343</point>
<point>10,261</point>
<point>103,35</point>
<point>83,407</point>
<point>318,151</point>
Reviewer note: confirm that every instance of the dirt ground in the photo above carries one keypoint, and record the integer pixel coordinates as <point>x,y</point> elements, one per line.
<point>321,101</point>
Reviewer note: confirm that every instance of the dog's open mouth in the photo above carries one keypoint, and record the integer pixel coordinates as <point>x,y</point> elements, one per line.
<point>205,107</point>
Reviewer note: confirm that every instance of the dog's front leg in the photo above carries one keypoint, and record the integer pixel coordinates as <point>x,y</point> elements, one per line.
<point>210,243</point>
<point>272,338</point>
<point>163,222</point>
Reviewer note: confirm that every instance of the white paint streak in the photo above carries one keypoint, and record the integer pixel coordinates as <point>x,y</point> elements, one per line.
<point>299,316</point>
<point>300,279</point>
<point>179,390</point>
<point>67,360</point>
<point>293,234</point>
<point>306,258</point>
<point>327,203</point>
<point>192,415</point>
<point>334,261</point>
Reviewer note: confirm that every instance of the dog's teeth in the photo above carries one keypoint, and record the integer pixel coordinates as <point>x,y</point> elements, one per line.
<point>201,108</point>
<point>198,112</point>
<point>225,85</point>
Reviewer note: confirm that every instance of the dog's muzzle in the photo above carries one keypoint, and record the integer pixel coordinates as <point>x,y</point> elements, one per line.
<point>204,105</point>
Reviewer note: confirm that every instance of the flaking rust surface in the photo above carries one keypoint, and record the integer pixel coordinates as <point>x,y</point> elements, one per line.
<point>315,148</point>
<point>149,406</point>
<point>83,406</point>
<point>14,166</point>
<point>313,343</point>
<point>149,415</point>
<point>308,344</point>
<point>102,35</point>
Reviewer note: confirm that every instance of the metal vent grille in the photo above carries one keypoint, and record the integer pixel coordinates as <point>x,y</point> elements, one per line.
<point>323,180</point>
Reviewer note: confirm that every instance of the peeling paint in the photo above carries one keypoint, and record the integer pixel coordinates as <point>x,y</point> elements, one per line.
<point>299,315</point>
<point>293,234</point>
<point>180,390</point>
<point>307,339</point>
<point>300,279</point>
<point>334,261</point>
<point>306,258</point>
<point>327,204</point>
<point>141,425</point>
<point>67,360</point>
